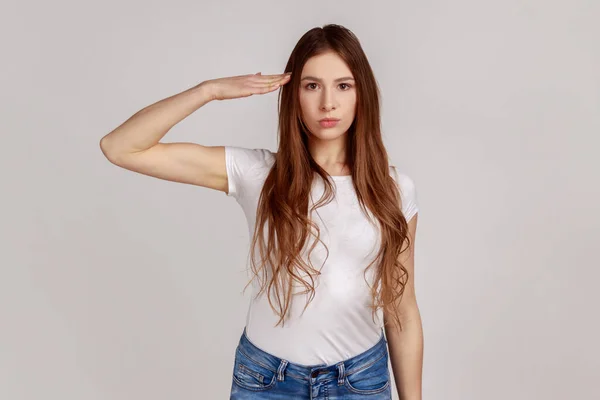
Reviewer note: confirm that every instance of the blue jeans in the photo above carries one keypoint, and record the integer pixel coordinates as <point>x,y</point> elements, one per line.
<point>261,375</point>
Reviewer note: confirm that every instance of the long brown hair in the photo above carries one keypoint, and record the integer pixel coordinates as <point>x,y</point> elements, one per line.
<point>284,199</point>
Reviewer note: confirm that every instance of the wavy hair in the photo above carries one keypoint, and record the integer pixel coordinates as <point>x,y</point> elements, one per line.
<point>282,211</point>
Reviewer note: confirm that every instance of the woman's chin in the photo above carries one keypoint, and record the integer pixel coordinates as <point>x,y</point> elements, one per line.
<point>327,133</point>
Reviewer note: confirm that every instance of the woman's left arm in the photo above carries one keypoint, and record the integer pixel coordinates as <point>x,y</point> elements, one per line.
<point>406,346</point>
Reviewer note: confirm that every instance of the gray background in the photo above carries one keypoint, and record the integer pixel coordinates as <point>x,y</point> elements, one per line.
<point>116,285</point>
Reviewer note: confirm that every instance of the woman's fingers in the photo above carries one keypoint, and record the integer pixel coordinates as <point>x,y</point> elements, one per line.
<point>273,81</point>
<point>272,76</point>
<point>268,88</point>
<point>266,79</point>
<point>261,84</point>
<point>265,89</point>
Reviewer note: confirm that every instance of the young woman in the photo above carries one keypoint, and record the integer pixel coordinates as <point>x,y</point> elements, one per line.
<point>333,225</point>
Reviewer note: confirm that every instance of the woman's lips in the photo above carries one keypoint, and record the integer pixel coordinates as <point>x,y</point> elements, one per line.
<point>328,123</point>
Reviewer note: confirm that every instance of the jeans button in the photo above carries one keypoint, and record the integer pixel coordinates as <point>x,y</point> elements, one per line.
<point>314,374</point>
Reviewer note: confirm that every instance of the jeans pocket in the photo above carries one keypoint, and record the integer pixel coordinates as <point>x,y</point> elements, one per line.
<point>371,379</point>
<point>251,375</point>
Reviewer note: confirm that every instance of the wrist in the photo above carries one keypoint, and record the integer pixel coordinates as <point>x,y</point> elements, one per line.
<point>206,91</point>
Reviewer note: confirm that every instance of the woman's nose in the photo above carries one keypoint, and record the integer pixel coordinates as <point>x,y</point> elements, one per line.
<point>327,101</point>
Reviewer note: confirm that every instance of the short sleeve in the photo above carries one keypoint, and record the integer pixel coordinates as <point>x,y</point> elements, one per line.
<point>408,194</point>
<point>241,164</point>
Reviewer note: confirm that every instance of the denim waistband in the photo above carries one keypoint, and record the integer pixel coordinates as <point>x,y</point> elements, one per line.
<point>321,371</point>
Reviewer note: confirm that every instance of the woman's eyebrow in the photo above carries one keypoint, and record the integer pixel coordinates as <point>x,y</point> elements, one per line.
<point>312,78</point>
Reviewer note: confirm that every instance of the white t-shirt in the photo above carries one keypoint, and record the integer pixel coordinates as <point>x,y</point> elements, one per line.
<point>338,323</point>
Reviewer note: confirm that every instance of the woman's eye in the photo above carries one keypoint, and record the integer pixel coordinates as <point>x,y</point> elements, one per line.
<point>347,86</point>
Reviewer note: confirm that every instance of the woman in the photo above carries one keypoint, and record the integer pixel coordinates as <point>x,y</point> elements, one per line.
<point>333,225</point>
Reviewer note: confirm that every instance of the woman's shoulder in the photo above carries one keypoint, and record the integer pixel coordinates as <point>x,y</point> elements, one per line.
<point>248,157</point>
<point>408,192</point>
<point>402,178</point>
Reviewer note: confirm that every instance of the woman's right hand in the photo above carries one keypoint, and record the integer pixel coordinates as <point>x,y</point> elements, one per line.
<point>244,85</point>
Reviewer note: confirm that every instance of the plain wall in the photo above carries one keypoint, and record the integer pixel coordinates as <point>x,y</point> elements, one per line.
<point>115,285</point>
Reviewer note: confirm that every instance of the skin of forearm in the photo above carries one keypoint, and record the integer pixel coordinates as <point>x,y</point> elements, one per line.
<point>149,125</point>
<point>406,353</point>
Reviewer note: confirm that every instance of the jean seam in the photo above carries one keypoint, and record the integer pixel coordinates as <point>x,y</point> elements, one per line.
<point>255,389</point>
<point>256,362</point>
<point>370,391</point>
<point>349,372</point>
<point>364,366</point>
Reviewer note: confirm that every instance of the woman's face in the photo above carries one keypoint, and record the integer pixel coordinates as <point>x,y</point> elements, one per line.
<point>327,90</point>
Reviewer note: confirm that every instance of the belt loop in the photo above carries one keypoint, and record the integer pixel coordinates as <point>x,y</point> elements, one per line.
<point>341,373</point>
<point>280,370</point>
